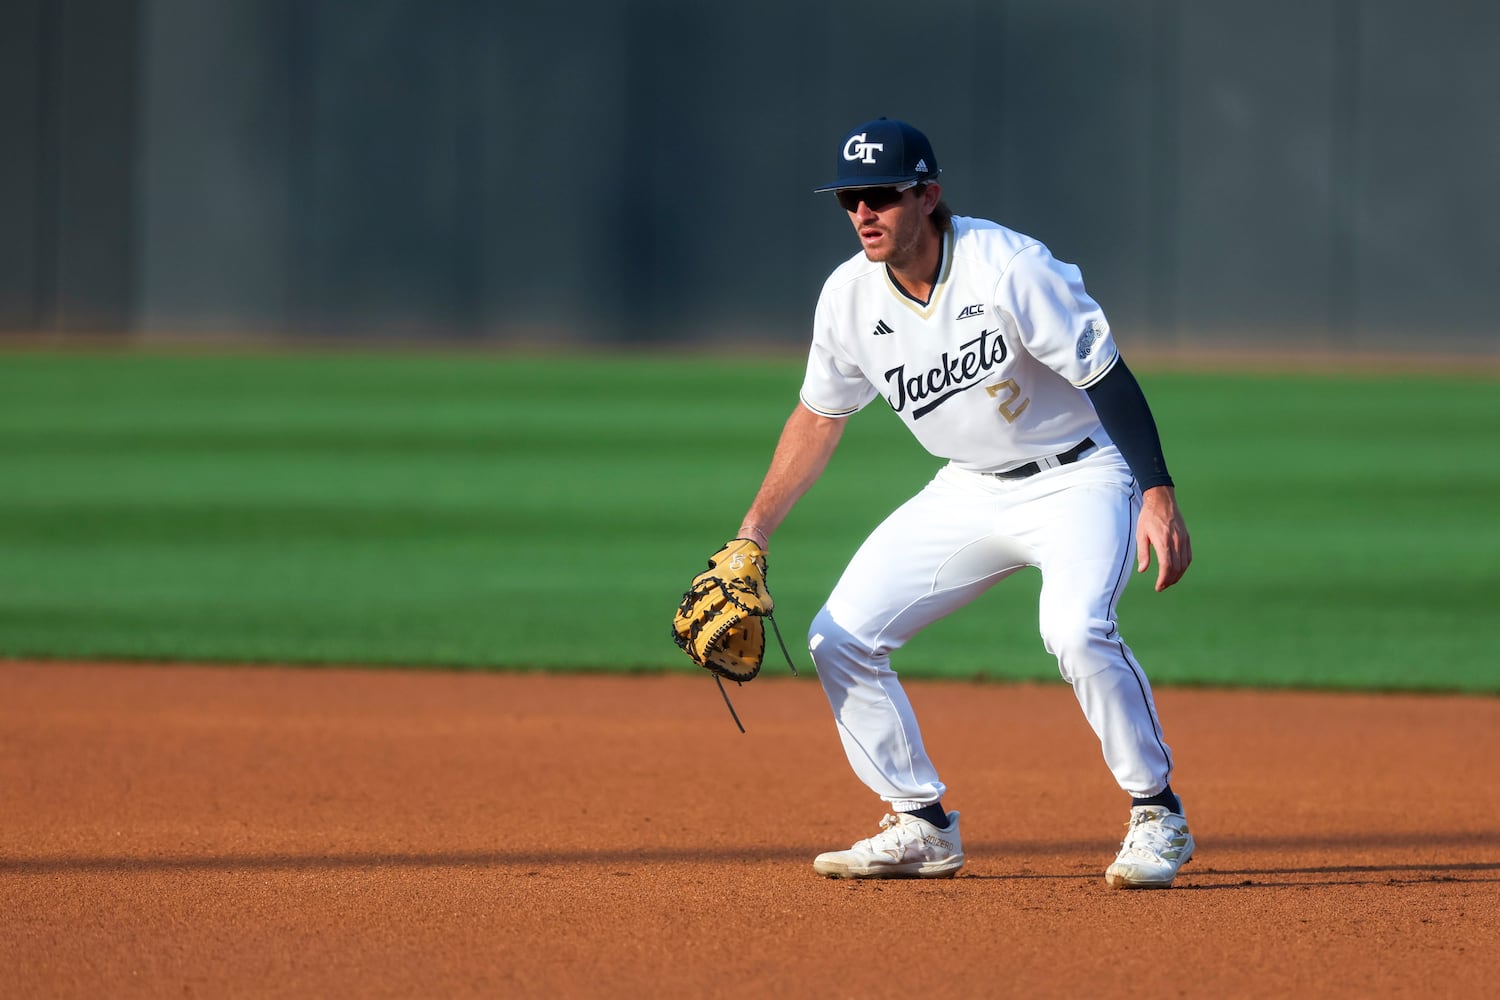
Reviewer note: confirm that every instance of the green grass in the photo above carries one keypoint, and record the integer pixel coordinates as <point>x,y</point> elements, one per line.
<point>487,511</point>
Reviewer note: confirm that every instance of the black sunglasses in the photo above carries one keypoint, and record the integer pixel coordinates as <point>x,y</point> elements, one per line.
<point>876,198</point>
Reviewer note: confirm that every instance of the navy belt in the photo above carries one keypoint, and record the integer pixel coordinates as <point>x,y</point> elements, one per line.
<point>1068,457</point>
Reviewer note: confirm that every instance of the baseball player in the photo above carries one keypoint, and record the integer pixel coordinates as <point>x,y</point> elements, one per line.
<point>998,361</point>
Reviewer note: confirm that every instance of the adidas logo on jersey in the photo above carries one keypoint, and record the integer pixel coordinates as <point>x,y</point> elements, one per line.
<point>968,312</point>
<point>882,328</point>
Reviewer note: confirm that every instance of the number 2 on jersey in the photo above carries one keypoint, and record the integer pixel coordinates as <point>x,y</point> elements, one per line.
<point>1010,409</point>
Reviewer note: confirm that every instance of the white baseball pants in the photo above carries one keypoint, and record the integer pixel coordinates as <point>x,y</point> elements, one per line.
<point>962,534</point>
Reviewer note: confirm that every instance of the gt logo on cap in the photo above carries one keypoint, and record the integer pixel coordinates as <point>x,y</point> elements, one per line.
<point>857,149</point>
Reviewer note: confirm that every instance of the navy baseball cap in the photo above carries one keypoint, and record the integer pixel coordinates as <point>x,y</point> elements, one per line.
<point>881,153</point>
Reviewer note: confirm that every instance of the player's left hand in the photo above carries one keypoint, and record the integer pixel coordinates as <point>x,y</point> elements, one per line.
<point>1162,528</point>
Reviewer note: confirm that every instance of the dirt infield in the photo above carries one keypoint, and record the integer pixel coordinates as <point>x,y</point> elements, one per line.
<point>185,831</point>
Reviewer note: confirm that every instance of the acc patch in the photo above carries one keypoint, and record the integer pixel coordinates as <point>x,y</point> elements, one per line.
<point>1090,336</point>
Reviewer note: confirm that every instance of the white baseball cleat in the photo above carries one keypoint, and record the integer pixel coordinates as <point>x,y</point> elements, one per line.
<point>905,847</point>
<point>1157,843</point>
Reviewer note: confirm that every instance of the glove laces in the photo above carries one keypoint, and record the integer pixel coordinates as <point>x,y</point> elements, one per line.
<point>790,665</point>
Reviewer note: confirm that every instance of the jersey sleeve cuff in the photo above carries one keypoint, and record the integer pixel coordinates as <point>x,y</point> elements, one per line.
<point>1095,377</point>
<point>823,411</point>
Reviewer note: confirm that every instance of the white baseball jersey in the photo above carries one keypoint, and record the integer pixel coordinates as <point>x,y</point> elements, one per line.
<point>990,372</point>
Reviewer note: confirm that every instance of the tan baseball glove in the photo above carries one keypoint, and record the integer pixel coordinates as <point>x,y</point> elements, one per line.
<point>719,622</point>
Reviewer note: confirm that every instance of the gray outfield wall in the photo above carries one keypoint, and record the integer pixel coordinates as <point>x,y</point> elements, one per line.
<point>1319,172</point>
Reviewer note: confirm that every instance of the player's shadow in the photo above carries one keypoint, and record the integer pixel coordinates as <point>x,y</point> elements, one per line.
<point>1013,861</point>
<point>1336,875</point>
<point>509,862</point>
<point>1286,878</point>
<point>1041,860</point>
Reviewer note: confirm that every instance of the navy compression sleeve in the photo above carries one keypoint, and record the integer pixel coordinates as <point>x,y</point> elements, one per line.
<point>1126,416</point>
